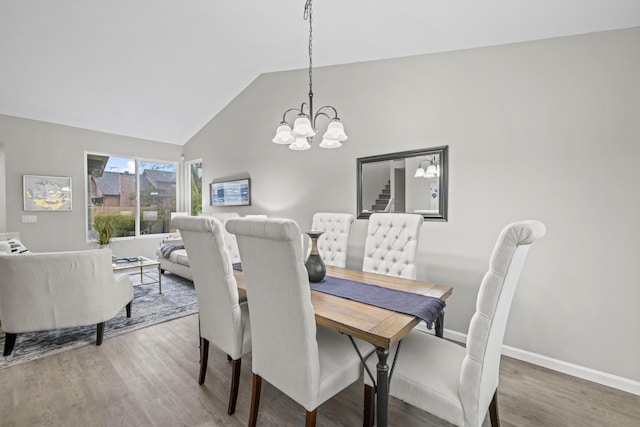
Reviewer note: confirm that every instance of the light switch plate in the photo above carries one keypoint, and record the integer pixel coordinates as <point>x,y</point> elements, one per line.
<point>29,218</point>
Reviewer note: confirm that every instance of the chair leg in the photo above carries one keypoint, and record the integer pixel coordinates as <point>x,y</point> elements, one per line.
<point>128,307</point>
<point>311,418</point>
<point>9,342</point>
<point>204,357</point>
<point>235,384</point>
<point>439,325</point>
<point>493,411</point>
<point>99,333</point>
<point>255,400</point>
<point>369,406</point>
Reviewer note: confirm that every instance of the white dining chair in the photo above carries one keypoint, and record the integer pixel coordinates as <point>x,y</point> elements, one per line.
<point>224,320</point>
<point>459,384</point>
<point>308,363</point>
<point>332,244</point>
<point>392,244</point>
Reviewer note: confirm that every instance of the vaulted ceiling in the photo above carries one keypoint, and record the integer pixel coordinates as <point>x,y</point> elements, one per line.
<point>161,69</point>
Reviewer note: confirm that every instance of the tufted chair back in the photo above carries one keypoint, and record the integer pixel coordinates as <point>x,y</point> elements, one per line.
<point>230,242</point>
<point>332,244</point>
<point>392,244</point>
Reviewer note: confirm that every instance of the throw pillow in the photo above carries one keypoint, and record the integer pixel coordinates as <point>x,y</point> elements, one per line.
<point>16,246</point>
<point>4,246</point>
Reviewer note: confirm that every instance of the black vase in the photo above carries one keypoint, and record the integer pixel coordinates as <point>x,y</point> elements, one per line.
<point>314,263</point>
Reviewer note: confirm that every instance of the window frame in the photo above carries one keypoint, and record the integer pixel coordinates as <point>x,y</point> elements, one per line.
<point>137,207</point>
<point>187,185</point>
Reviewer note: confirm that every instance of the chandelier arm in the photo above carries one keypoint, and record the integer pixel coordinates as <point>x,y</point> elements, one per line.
<point>284,116</point>
<point>318,114</point>
<point>309,107</point>
<point>335,112</point>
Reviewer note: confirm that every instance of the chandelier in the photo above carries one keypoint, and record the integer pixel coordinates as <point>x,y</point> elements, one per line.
<point>431,171</point>
<point>304,127</point>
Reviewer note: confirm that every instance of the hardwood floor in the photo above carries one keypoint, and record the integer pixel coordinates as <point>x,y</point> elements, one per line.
<point>150,378</point>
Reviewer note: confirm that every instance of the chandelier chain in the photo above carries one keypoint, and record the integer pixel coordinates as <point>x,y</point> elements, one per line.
<point>308,16</point>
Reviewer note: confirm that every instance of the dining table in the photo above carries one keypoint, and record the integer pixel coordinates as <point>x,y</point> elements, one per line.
<point>379,326</point>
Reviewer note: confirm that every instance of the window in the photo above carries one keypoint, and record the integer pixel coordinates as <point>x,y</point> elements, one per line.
<point>194,190</point>
<point>130,197</point>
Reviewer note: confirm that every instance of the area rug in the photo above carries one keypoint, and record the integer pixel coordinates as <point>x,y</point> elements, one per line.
<point>149,307</point>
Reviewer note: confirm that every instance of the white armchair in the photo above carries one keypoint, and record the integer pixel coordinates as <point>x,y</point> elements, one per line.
<point>332,244</point>
<point>455,383</point>
<point>42,291</point>
<point>392,244</point>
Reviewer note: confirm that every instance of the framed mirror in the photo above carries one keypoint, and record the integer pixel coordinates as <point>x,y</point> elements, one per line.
<point>408,181</point>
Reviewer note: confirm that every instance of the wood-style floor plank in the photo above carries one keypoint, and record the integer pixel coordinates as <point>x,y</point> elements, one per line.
<point>150,378</point>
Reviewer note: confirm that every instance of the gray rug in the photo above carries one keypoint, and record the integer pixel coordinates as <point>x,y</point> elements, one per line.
<point>178,299</point>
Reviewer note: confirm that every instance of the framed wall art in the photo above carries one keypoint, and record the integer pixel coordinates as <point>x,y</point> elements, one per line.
<point>231,193</point>
<point>46,193</point>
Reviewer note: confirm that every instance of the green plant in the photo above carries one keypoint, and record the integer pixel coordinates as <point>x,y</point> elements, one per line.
<point>104,227</point>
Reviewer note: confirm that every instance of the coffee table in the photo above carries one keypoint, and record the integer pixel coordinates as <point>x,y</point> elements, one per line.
<point>141,263</point>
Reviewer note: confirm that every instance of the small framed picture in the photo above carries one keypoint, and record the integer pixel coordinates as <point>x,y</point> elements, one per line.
<point>46,193</point>
<point>235,192</point>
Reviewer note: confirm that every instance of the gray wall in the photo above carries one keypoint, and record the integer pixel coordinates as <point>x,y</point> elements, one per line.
<point>535,130</point>
<point>38,148</point>
<point>3,198</point>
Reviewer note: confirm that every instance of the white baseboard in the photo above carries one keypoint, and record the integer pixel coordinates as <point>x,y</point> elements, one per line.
<point>599,377</point>
<point>604,378</point>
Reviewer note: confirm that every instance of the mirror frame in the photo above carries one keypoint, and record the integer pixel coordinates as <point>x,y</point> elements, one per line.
<point>442,151</point>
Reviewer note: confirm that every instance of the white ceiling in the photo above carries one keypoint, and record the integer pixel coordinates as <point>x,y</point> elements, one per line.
<point>161,69</point>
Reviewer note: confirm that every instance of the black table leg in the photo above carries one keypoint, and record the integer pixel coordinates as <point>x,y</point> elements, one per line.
<point>382,395</point>
<point>439,325</point>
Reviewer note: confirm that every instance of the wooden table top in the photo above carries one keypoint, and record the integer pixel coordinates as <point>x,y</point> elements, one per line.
<point>378,326</point>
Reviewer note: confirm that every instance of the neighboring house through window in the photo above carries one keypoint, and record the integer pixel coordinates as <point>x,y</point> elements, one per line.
<point>131,197</point>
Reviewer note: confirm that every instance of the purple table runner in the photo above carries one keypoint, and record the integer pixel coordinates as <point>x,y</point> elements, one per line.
<point>424,307</point>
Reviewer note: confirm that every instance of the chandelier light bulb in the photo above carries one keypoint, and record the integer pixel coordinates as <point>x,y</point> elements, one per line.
<point>302,128</point>
<point>329,143</point>
<point>431,171</point>
<point>300,144</point>
<point>283,135</point>
<point>335,132</point>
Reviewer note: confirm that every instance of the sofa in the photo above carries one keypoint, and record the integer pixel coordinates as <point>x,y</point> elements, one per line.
<point>172,255</point>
